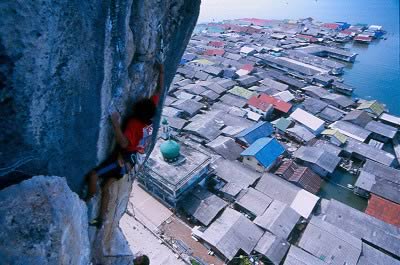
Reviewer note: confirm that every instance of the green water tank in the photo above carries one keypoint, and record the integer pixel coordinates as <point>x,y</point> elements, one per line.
<point>170,150</point>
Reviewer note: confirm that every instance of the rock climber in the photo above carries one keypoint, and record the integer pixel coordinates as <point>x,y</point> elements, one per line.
<point>132,142</point>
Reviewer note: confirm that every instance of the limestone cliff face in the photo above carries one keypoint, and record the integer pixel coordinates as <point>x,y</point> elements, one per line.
<point>64,63</point>
<point>38,229</point>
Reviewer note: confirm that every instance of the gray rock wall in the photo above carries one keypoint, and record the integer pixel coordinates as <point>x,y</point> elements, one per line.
<point>63,63</point>
<point>42,223</point>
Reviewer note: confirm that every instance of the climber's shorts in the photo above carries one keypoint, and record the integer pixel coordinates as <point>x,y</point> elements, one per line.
<point>112,169</point>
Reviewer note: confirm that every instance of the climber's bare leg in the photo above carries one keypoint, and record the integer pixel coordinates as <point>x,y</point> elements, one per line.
<point>92,184</point>
<point>105,196</point>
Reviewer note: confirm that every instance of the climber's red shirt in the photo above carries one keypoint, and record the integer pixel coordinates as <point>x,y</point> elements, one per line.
<point>139,133</point>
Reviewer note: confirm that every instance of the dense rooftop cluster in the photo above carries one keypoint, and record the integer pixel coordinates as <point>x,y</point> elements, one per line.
<point>264,99</point>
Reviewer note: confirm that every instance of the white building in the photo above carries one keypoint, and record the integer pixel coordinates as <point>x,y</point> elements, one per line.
<point>311,122</point>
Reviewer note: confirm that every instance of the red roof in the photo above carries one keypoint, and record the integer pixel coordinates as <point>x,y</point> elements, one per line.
<point>214,52</point>
<point>363,38</point>
<point>331,26</point>
<point>248,67</point>
<point>262,101</point>
<point>234,28</point>
<point>347,32</point>
<point>303,176</point>
<point>258,103</point>
<point>384,210</point>
<point>218,44</point>
<point>286,169</point>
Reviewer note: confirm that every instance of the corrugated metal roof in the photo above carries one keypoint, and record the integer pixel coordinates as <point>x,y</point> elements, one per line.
<point>307,119</point>
<point>286,169</point>
<point>374,106</point>
<point>247,80</point>
<point>277,188</point>
<point>372,256</point>
<point>363,226</point>
<point>233,100</point>
<point>317,156</point>
<point>330,244</point>
<point>340,100</point>
<point>302,201</point>
<point>384,210</point>
<point>351,130</point>
<point>235,172</point>
<point>283,123</point>
<point>231,232</point>
<point>358,117</point>
<point>381,180</point>
<point>382,171</point>
<point>297,256</point>
<point>278,218</point>
<point>241,92</point>
<point>205,125</point>
<point>331,114</point>
<point>272,247</point>
<point>301,133</point>
<point>265,150</point>
<point>382,129</point>
<point>306,179</point>
<point>280,105</point>
<point>285,96</point>
<point>247,50</point>
<point>226,147</point>
<point>189,106</point>
<point>335,133</point>
<point>253,201</point>
<point>203,62</point>
<point>231,189</point>
<point>390,119</point>
<point>370,152</point>
<point>203,205</point>
<point>255,132</point>
<point>327,147</point>
<point>313,105</point>
<point>256,102</point>
<point>315,91</point>
<point>270,83</point>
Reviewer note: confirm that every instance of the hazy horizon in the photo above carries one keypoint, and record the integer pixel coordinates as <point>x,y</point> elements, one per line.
<point>324,10</point>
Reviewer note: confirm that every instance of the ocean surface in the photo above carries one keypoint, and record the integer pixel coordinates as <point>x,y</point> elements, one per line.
<point>375,74</point>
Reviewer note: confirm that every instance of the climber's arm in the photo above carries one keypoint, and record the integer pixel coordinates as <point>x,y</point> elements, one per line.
<point>122,140</point>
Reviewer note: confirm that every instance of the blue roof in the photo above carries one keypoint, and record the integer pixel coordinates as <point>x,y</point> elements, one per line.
<point>265,150</point>
<point>255,132</point>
